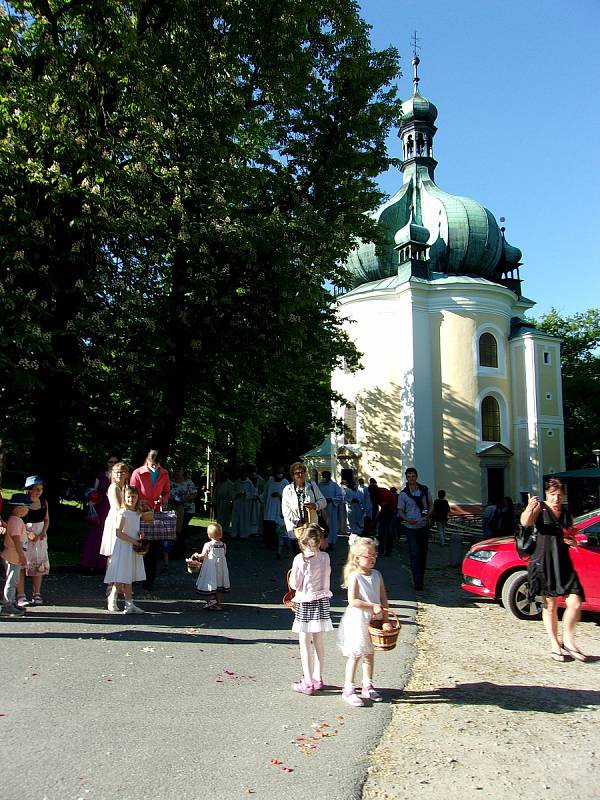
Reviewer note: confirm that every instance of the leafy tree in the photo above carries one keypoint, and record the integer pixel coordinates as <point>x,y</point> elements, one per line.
<point>580,362</point>
<point>180,180</point>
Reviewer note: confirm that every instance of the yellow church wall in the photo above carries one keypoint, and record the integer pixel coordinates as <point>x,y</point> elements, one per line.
<point>550,447</point>
<point>548,378</point>
<point>517,371</point>
<point>456,468</point>
<point>522,477</point>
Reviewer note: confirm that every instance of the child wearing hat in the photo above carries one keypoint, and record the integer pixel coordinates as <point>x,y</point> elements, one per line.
<point>35,544</point>
<point>12,554</point>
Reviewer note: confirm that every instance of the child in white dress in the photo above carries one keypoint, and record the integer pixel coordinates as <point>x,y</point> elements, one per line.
<point>213,579</point>
<point>126,565</point>
<point>310,578</point>
<point>367,600</point>
<point>114,494</point>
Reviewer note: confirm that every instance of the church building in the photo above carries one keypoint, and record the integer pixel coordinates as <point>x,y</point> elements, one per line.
<point>454,382</point>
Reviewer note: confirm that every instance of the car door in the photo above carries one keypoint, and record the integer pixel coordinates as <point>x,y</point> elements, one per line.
<point>586,560</point>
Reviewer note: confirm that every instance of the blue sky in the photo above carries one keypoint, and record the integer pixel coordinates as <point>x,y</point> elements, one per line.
<point>516,84</point>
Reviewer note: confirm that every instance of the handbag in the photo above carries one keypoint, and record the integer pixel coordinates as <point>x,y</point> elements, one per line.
<point>525,540</point>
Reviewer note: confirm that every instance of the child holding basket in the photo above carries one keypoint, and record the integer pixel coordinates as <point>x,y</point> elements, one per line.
<point>367,600</point>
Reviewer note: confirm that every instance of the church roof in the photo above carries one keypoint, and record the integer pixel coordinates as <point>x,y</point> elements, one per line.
<point>460,234</point>
<point>392,282</point>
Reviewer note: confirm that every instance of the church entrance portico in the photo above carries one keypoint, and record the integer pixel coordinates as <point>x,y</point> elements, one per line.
<point>495,463</point>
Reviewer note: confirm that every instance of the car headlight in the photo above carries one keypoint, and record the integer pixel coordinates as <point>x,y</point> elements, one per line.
<point>481,555</point>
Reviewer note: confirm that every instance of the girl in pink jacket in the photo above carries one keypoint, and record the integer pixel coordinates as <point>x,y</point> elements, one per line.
<point>310,578</point>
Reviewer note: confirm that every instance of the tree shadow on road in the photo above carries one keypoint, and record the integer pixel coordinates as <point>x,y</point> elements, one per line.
<point>516,697</point>
<point>143,635</point>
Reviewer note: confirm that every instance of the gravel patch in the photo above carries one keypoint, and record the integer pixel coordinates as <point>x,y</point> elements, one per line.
<point>486,710</point>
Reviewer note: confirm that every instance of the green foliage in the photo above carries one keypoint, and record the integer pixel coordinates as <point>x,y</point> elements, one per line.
<point>580,362</point>
<point>180,181</point>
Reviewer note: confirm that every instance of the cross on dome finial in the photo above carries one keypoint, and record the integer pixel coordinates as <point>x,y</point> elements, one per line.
<point>416,61</point>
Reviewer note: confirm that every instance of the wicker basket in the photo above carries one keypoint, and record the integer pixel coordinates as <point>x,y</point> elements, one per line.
<point>384,640</point>
<point>141,547</point>
<point>288,596</point>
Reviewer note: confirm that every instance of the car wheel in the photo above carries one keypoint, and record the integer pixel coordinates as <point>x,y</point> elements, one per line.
<point>515,599</point>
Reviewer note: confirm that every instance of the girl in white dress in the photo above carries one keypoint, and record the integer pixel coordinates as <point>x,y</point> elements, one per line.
<point>126,565</point>
<point>114,494</point>
<point>310,577</point>
<point>214,573</point>
<point>367,600</point>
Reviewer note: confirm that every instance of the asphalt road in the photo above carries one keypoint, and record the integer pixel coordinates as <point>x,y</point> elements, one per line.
<point>182,702</point>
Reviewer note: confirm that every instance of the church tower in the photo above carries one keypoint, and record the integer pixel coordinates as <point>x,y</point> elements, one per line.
<point>454,381</point>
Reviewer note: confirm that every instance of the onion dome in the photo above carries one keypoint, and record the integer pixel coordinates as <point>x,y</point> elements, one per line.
<point>418,107</point>
<point>453,234</point>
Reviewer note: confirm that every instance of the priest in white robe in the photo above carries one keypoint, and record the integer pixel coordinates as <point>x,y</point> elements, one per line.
<point>244,522</point>
<point>332,492</point>
<point>271,503</point>
<point>223,502</point>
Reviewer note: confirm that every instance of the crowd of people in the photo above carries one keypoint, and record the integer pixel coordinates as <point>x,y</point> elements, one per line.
<point>137,518</point>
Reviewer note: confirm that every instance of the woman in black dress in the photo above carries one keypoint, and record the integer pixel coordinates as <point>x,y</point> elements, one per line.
<point>550,569</point>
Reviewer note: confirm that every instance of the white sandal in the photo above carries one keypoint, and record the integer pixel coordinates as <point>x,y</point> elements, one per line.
<point>352,698</point>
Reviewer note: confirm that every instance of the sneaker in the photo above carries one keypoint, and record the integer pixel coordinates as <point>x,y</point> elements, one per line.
<point>14,611</point>
<point>131,608</point>
<point>37,600</point>
<point>303,687</point>
<point>369,693</point>
<point>352,699</point>
<point>317,685</point>
<point>22,601</point>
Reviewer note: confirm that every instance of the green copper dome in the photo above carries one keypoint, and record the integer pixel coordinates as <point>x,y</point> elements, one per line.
<point>418,107</point>
<point>452,234</point>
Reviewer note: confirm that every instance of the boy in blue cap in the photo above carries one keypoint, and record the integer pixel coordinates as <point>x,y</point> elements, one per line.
<point>12,554</point>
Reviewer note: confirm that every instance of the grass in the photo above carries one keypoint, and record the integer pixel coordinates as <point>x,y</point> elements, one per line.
<point>67,533</point>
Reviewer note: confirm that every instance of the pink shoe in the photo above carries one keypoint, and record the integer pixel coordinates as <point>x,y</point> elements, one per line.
<point>22,601</point>
<point>303,687</point>
<point>317,685</point>
<point>352,698</point>
<point>369,693</point>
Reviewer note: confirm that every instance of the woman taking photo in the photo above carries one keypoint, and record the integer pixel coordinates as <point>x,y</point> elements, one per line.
<point>550,569</point>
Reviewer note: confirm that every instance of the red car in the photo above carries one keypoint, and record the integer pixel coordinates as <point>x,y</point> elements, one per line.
<point>493,569</point>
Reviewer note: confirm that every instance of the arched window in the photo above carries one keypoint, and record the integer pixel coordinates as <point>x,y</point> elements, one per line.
<point>490,419</point>
<point>488,350</point>
<point>350,424</point>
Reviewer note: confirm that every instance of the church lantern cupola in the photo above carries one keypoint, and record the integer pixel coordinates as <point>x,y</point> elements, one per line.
<point>417,128</point>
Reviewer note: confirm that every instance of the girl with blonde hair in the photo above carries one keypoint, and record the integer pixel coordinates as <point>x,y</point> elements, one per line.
<point>367,600</point>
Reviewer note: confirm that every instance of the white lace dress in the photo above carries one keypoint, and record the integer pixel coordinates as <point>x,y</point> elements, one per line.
<point>109,534</point>
<point>214,574</point>
<point>125,565</point>
<point>353,633</point>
